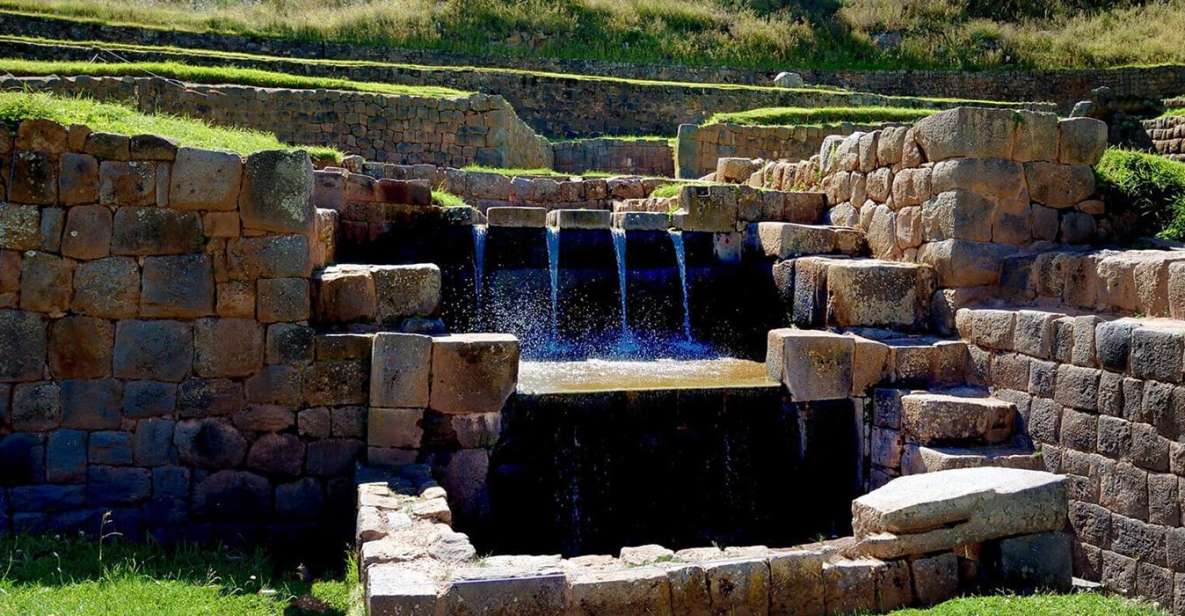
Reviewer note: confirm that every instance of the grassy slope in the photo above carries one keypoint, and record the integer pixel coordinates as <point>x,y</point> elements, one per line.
<point>1082,604</point>
<point>215,74</point>
<point>1150,187</point>
<point>75,577</point>
<point>114,118</point>
<point>796,116</point>
<point>748,33</point>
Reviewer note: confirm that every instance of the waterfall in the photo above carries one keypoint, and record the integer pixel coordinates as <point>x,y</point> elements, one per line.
<point>619,250</point>
<point>553,266</point>
<point>681,259</point>
<point>479,258</point>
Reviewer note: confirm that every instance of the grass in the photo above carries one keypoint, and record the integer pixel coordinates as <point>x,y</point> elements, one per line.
<point>1148,188</point>
<point>1079,604</point>
<point>216,74</point>
<point>798,116</point>
<point>447,199</point>
<point>116,118</point>
<point>770,34</point>
<point>80,577</point>
<point>1179,111</point>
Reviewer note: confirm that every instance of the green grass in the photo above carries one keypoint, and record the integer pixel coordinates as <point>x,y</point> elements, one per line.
<point>72,576</point>
<point>116,118</point>
<point>1080,604</point>
<point>447,199</point>
<point>799,116</point>
<point>216,75</point>
<point>770,34</point>
<point>1179,111</point>
<point>1149,188</point>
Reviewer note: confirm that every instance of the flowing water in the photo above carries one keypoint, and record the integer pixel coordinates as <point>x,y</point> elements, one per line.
<point>681,259</point>
<point>627,338</point>
<point>479,257</point>
<point>553,266</point>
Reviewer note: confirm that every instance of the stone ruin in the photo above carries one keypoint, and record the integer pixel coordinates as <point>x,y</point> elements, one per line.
<point>617,400</point>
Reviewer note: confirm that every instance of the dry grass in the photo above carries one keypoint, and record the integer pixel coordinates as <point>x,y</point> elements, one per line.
<point>836,33</point>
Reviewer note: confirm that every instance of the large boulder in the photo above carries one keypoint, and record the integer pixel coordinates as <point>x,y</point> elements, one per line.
<point>934,512</point>
<point>968,132</point>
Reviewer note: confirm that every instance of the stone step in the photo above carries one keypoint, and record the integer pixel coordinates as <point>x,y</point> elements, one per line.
<point>838,292</point>
<point>374,294</point>
<point>928,459</point>
<point>950,418</point>
<point>785,240</point>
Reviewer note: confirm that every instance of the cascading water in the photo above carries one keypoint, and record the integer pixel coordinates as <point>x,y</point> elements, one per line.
<point>479,258</point>
<point>681,259</point>
<point>553,266</point>
<point>619,250</point>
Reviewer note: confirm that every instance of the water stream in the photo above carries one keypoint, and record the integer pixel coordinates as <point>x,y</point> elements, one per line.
<point>479,258</point>
<point>619,250</point>
<point>681,259</point>
<point>553,266</point>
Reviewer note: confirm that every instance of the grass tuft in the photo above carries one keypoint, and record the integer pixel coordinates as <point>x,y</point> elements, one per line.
<point>800,116</point>
<point>121,119</point>
<point>1078,604</point>
<point>1148,187</point>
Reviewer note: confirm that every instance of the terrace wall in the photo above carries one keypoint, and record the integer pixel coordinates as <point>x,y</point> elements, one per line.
<point>698,148</point>
<point>158,360</point>
<point>556,105</point>
<point>1168,136</point>
<point>477,129</point>
<point>625,156</point>
<point>1064,87</point>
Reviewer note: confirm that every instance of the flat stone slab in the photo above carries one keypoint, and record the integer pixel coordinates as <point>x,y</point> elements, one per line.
<point>922,459</point>
<point>932,512</point>
<point>580,219</point>
<point>931,418</point>
<point>518,217</point>
<point>643,221</point>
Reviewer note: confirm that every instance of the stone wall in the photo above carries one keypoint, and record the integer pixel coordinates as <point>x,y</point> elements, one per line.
<point>963,189</point>
<point>476,129</point>
<point>627,156</point>
<point>1064,87</point>
<point>556,105</point>
<point>1168,136</point>
<point>698,148</point>
<point>159,363</point>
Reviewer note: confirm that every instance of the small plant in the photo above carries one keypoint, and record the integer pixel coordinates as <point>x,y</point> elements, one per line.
<point>1148,189</point>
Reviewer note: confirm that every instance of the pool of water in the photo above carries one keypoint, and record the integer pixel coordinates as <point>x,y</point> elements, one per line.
<point>545,377</point>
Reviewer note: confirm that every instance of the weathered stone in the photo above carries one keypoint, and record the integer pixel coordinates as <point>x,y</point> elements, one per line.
<point>967,132</point>
<point>814,365</point>
<point>20,226</point>
<point>152,147</point>
<point>344,294</point>
<point>23,334</point>
<point>152,444</point>
<point>1157,353</point>
<point>333,457</point>
<point>337,382</point>
<point>264,418</point>
<point>41,135</point>
<point>47,282</point>
<point>918,514</point>
<point>282,299</point>
<point>159,350</point>
<point>343,346</point>
<point>108,288</point>
<point>289,343</point>
<point>233,496</point>
<point>109,485</point>
<point>957,215</point>
<point>935,578</point>
<point>851,585</point>
<point>796,583</point>
<point>270,256</point>
<point>1081,141</point>
<point>277,186</point>
<point>400,366</point>
<point>1059,186</point>
<point>127,183</point>
<point>473,373</point>
<point>177,286</point>
<point>394,589</point>
<point>1077,387</point>
<point>65,456</point>
<point>962,263</point>
<point>875,294</point>
<point>738,586</point>
<point>639,590</point>
<point>110,448</point>
<point>36,407</point>
<point>148,399</point>
<point>78,182</point>
<point>34,179</point>
<point>406,290</point>
<point>227,347</point>
<point>80,347</point>
<point>209,443</point>
<point>205,180</point>
<point>277,453</point>
<point>88,232</point>
<point>931,418</point>
<point>202,397</point>
<point>155,231</point>
<point>91,404</point>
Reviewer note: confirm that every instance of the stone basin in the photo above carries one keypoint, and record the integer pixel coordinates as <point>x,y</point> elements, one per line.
<point>549,377</point>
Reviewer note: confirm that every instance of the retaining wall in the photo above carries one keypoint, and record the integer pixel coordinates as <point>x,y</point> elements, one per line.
<point>1168,136</point>
<point>627,156</point>
<point>158,360</point>
<point>698,148</point>
<point>448,131</point>
<point>556,105</point>
<point>1064,87</point>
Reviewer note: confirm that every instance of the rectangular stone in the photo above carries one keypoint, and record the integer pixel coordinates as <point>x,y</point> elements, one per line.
<point>400,370</point>
<point>473,373</point>
<point>816,365</point>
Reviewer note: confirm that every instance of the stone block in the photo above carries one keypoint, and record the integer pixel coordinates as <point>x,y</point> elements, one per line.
<point>88,232</point>
<point>1059,186</point>
<point>709,209</point>
<point>851,585</point>
<point>127,183</point>
<point>473,373</point>
<point>394,427</point>
<point>967,132</point>
<point>78,182</point>
<point>276,192</point>
<point>783,240</point>
<point>205,180</point>
<point>111,485</point>
<point>517,217</point>
<point>65,456</point>
<point>300,500</point>
<point>1123,489</point>
<point>152,443</point>
<point>343,346</point>
<point>931,418</point>
<point>289,343</point>
<point>34,179</point>
<point>638,590</point>
<point>406,290</point>
<point>1081,141</point>
<point>400,367</point>
<point>1077,387</point>
<point>20,226</point>
<point>344,294</point>
<point>333,457</point>
<point>154,231</point>
<point>962,263</point>
<point>47,282</point>
<point>232,496</point>
<point>957,215</point>
<point>80,347</point>
<point>177,286</point>
<point>152,147</point>
<point>227,347</point>
<point>209,443</point>
<point>36,407</point>
<point>23,333</point>
<point>107,288</point>
<point>282,299</point>
<point>202,397</point>
<point>334,382</point>
<point>281,454</point>
<point>738,586</point>
<point>796,583</point>
<point>159,350</point>
<point>864,293</point>
<point>235,299</point>
<point>270,256</point>
<point>935,578</point>
<point>41,136</point>
<point>264,418</point>
<point>110,448</point>
<point>394,589</point>
<point>1157,353</point>
<point>276,384</point>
